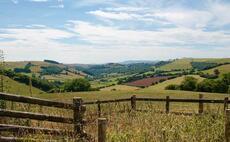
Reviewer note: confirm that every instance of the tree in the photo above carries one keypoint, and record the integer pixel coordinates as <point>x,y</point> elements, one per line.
<point>77,85</point>
<point>216,72</point>
<point>206,85</point>
<point>189,83</point>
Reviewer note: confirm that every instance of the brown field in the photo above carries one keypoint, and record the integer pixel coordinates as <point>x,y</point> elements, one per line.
<point>147,81</point>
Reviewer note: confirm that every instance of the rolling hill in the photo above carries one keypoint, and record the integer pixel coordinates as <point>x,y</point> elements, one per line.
<point>37,67</point>
<point>185,63</point>
<point>222,69</point>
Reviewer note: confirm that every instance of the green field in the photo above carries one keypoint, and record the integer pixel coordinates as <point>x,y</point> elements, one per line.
<point>185,63</point>
<point>11,86</point>
<point>222,69</point>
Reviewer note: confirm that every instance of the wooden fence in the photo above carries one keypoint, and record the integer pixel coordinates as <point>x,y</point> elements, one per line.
<point>77,120</point>
<point>79,107</point>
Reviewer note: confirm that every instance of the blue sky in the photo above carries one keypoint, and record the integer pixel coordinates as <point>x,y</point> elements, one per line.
<point>100,31</point>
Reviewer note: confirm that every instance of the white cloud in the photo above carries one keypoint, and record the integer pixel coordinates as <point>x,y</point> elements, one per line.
<point>221,13</point>
<point>180,18</point>
<point>41,33</point>
<point>112,15</point>
<point>109,44</point>
<point>214,13</point>
<point>111,36</point>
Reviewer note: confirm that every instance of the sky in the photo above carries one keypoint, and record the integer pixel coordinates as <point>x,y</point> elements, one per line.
<point>101,31</point>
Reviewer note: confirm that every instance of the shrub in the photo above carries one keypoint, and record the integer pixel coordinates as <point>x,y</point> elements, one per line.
<point>172,87</point>
<point>189,83</point>
<point>206,85</point>
<point>77,85</point>
<point>210,85</point>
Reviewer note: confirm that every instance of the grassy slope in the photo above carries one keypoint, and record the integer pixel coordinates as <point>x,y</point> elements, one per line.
<point>185,63</point>
<point>223,69</point>
<point>11,86</point>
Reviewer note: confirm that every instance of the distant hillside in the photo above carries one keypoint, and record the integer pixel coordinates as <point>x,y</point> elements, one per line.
<point>111,68</point>
<point>47,69</point>
<point>222,69</point>
<point>186,63</point>
<point>137,61</point>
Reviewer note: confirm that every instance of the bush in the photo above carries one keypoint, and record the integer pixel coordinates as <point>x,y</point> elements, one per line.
<point>172,87</point>
<point>210,85</point>
<point>77,85</point>
<point>206,85</point>
<point>189,83</point>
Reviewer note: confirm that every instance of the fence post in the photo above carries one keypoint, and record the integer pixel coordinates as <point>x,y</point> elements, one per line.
<point>167,104</point>
<point>78,116</point>
<point>133,102</point>
<point>201,105</point>
<point>102,129</point>
<point>225,103</point>
<point>227,125</point>
<point>98,108</point>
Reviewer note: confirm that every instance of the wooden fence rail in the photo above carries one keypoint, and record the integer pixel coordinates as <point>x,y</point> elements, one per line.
<point>34,116</point>
<point>77,120</point>
<point>37,101</point>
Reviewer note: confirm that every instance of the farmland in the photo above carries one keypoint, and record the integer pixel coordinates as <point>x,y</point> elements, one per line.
<point>136,126</point>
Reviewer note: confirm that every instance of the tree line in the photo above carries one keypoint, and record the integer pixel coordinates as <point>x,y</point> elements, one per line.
<point>221,85</point>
